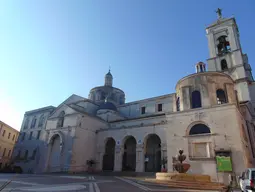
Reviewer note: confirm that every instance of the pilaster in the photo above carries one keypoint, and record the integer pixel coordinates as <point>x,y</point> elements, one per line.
<point>139,158</point>
<point>118,158</point>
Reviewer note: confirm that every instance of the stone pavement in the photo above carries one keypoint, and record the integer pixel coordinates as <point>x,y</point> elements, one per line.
<point>78,183</point>
<point>48,183</point>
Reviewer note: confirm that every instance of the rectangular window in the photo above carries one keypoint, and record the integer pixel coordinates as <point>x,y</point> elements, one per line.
<point>18,155</point>
<point>160,106</point>
<point>9,153</point>
<point>30,136</point>
<point>26,154</point>
<point>34,154</point>
<point>4,152</point>
<point>38,134</point>
<point>3,133</point>
<point>143,110</point>
<point>9,135</point>
<point>13,137</point>
<point>23,136</point>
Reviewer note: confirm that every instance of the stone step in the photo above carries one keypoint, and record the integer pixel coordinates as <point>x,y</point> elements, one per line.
<point>190,185</point>
<point>187,182</point>
<point>198,187</point>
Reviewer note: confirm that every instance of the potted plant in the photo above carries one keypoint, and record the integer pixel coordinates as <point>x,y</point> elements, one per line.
<point>90,164</point>
<point>164,162</point>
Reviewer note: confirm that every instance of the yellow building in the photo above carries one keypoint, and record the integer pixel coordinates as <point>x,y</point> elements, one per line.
<point>8,138</point>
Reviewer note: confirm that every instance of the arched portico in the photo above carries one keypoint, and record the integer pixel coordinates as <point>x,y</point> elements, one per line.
<point>152,151</point>
<point>109,154</point>
<point>129,154</point>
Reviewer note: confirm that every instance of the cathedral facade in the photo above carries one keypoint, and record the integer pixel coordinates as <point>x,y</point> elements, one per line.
<point>210,115</point>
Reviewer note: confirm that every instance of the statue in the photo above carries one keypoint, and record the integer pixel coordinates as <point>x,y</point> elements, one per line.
<point>219,13</point>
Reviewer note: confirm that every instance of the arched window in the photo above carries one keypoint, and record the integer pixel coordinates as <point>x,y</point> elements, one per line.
<point>223,45</point>
<point>224,65</point>
<point>199,129</point>
<point>221,97</point>
<point>122,99</point>
<point>26,124</point>
<point>41,121</point>
<point>196,99</point>
<point>102,96</point>
<point>98,95</point>
<point>33,122</point>
<point>61,119</point>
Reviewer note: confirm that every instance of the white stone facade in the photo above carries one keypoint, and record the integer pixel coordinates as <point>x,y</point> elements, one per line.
<point>210,113</point>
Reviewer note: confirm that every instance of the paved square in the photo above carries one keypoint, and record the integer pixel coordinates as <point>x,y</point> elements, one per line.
<point>75,183</point>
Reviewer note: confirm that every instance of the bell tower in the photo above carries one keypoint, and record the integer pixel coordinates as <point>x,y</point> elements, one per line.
<point>226,54</point>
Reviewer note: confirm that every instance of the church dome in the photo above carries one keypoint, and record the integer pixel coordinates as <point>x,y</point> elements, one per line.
<point>108,105</point>
<point>114,95</point>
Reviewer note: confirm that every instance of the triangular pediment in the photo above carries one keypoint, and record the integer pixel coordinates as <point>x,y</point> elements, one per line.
<point>72,99</point>
<point>67,111</point>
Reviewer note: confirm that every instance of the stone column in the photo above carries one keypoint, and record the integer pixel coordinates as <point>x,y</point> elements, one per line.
<point>118,158</point>
<point>139,158</point>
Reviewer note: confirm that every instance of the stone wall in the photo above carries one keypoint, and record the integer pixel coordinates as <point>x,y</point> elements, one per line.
<point>225,127</point>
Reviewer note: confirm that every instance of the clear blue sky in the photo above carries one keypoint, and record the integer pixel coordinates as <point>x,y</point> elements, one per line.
<point>52,49</point>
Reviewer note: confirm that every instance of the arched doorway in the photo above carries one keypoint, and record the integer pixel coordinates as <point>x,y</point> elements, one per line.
<point>129,155</point>
<point>54,161</point>
<point>108,159</point>
<point>153,154</point>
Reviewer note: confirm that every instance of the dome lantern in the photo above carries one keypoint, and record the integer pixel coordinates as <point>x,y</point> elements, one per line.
<point>108,79</point>
<point>200,67</point>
